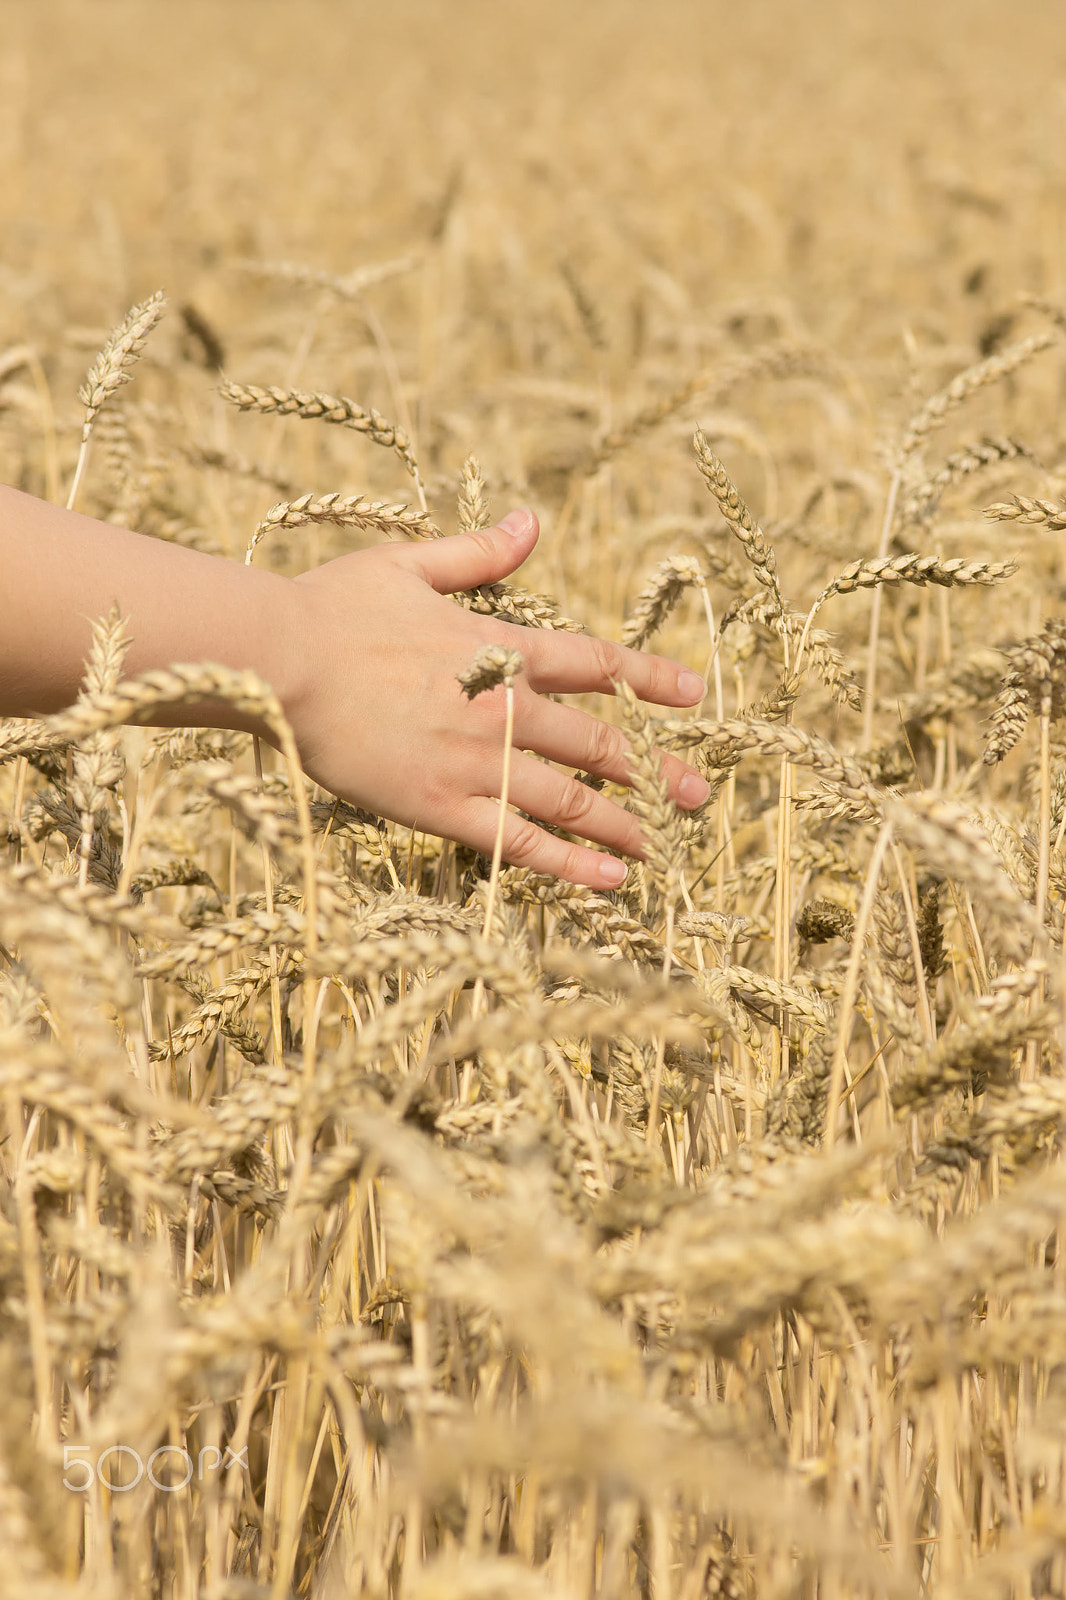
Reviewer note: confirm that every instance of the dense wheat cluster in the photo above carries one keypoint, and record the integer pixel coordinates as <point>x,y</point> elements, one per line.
<point>375,1222</point>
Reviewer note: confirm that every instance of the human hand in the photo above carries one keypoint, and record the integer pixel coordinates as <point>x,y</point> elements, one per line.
<point>380,718</point>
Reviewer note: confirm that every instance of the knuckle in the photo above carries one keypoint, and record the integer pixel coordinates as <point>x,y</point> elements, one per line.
<point>608,659</point>
<point>604,749</point>
<point>575,804</point>
<point>482,540</point>
<point>523,844</point>
<point>672,771</point>
<point>659,682</point>
<point>493,630</point>
<point>571,863</point>
<point>526,641</point>
<point>438,796</point>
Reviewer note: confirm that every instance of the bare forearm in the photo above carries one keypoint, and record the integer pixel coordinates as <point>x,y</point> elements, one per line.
<point>61,571</point>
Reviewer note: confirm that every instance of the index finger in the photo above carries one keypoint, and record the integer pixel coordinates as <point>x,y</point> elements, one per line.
<point>573,663</point>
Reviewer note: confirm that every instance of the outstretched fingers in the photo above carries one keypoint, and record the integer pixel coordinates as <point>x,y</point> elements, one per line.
<point>552,796</point>
<point>575,739</point>
<point>571,663</point>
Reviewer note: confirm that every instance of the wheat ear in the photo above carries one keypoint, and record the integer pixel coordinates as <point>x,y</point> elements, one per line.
<point>347,511</point>
<point>740,520</point>
<point>931,416</point>
<point>350,286</point>
<point>659,596</point>
<point>1029,512</point>
<point>913,569</point>
<point>936,410</point>
<point>97,761</point>
<point>110,371</point>
<point>922,502</point>
<point>473,503</point>
<point>324,408</point>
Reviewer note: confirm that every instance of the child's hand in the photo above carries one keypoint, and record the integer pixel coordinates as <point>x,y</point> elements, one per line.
<point>380,718</point>
<point>364,654</point>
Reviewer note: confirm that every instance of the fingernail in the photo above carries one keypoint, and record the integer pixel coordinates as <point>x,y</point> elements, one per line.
<point>692,791</point>
<point>612,872</point>
<point>690,686</point>
<point>517,523</point>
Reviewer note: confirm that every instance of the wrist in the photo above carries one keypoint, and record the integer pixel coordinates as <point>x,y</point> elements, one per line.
<point>257,627</point>
<point>282,644</point>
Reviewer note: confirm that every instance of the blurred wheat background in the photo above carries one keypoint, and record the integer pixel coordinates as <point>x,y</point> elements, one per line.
<point>702,1239</point>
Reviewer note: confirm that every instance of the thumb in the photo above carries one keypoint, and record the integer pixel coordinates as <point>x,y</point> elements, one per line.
<point>468,559</point>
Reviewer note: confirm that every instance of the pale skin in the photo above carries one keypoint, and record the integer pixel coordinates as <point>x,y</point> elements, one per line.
<point>364,654</point>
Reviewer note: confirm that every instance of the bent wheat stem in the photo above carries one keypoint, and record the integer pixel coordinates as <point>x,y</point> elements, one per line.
<point>505,782</point>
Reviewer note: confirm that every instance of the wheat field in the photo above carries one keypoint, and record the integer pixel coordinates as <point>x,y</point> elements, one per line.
<point>374,1223</point>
